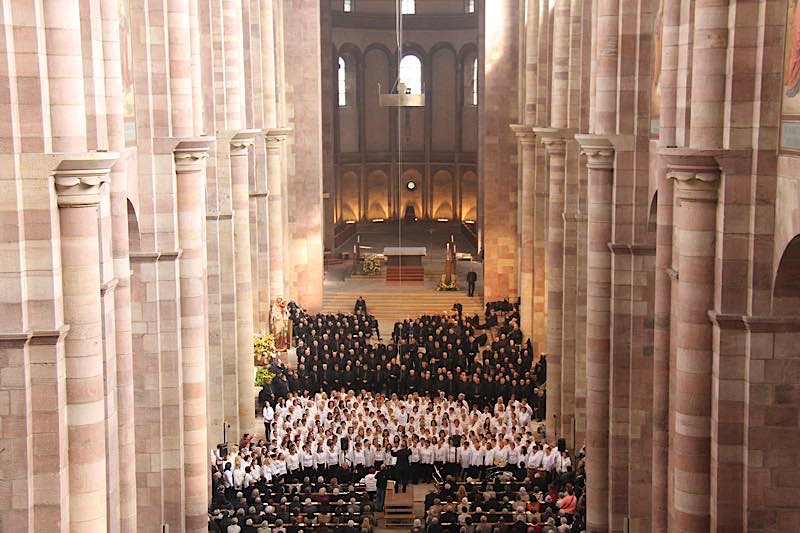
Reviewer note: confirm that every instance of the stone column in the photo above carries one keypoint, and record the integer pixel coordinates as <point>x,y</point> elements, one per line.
<point>526,161</point>
<point>303,57</point>
<point>240,200</point>
<point>605,71</point>
<point>531,61</point>
<point>709,73</point>
<point>275,138</point>
<point>498,188</point>
<point>77,184</point>
<point>190,161</point>
<point>600,161</point>
<point>661,346</point>
<point>556,147</point>
<point>268,62</point>
<point>180,67</point>
<point>67,109</point>
<point>259,237</point>
<point>120,249</point>
<point>560,75</point>
<point>696,180</point>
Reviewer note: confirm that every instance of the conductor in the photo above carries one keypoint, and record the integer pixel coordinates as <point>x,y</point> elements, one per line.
<point>403,466</point>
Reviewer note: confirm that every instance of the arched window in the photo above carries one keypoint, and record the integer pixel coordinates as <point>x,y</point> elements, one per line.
<point>411,74</point>
<point>475,82</point>
<point>470,6</point>
<point>348,6</point>
<point>409,7</point>
<point>342,82</point>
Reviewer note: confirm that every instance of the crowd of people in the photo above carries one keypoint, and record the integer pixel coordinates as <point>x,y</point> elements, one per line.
<point>448,396</point>
<point>252,494</point>
<point>539,502</point>
<point>326,434</point>
<point>447,353</point>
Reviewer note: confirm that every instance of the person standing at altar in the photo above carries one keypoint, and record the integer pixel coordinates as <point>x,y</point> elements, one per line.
<point>472,278</point>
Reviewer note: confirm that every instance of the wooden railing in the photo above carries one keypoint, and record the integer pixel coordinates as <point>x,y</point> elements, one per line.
<point>469,231</point>
<point>343,232</point>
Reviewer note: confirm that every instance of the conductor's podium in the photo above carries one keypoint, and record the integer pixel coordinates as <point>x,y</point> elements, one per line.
<point>405,263</point>
<point>398,510</point>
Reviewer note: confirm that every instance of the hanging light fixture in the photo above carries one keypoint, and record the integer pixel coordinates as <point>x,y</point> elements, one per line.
<point>402,97</point>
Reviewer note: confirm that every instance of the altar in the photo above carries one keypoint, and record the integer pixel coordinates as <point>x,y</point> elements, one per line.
<point>404,263</point>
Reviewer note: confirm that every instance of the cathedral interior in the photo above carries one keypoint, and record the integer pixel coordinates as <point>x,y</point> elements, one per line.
<point>627,172</point>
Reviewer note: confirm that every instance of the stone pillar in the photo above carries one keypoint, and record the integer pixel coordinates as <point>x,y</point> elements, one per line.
<point>560,75</point>
<point>531,61</point>
<point>605,73</point>
<point>556,150</point>
<point>120,250</point>
<point>180,68</point>
<point>303,57</point>
<point>569,293</point>
<point>709,73</point>
<point>268,62</point>
<point>77,184</point>
<point>600,162</point>
<point>275,138</point>
<point>526,160</point>
<point>259,237</point>
<point>696,180</point>
<point>240,200</point>
<point>497,111</point>
<point>661,347</point>
<point>190,160</point>
<point>62,33</point>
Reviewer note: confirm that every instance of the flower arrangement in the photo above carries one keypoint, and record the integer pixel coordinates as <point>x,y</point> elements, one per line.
<point>263,349</point>
<point>264,375</point>
<point>444,286</point>
<point>372,265</point>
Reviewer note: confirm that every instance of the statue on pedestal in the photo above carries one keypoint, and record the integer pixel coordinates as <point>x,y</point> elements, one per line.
<point>280,325</point>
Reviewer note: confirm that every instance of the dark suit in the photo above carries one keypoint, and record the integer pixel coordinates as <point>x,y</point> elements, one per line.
<point>472,277</point>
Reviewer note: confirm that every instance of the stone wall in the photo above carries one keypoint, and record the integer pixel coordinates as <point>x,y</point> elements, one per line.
<point>144,201</point>
<point>666,248</point>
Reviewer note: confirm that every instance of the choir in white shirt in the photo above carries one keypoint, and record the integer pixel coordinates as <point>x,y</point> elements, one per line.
<point>312,435</point>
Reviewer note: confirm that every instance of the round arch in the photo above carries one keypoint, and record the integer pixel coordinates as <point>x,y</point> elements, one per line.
<point>786,287</point>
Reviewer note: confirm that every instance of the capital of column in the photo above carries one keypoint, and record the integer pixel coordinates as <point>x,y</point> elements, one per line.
<point>242,141</point>
<point>78,177</point>
<point>553,139</point>
<point>696,173</point>
<point>599,151</point>
<point>524,134</point>
<point>191,154</point>
<point>275,136</point>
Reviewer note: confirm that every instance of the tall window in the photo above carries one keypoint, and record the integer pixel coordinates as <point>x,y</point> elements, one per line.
<point>470,6</point>
<point>411,74</point>
<point>342,82</point>
<point>409,7</point>
<point>348,6</point>
<point>475,82</point>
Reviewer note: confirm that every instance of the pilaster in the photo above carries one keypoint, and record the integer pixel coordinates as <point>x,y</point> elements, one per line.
<point>696,179</point>
<point>191,156</point>
<point>526,160</point>
<point>599,152</point>
<point>275,139</point>
<point>240,144</point>
<point>555,142</point>
<point>77,180</point>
